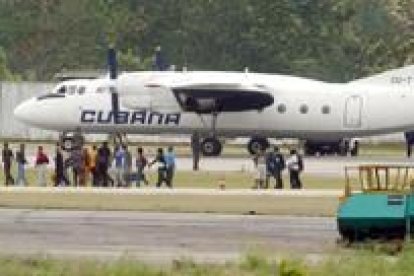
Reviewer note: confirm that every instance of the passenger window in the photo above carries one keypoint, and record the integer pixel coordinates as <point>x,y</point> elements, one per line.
<point>304,109</point>
<point>81,90</point>
<point>100,90</point>
<point>72,89</point>
<point>62,90</point>
<point>281,108</point>
<point>326,109</point>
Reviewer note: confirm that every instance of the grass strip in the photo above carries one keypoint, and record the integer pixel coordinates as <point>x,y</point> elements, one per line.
<point>228,204</point>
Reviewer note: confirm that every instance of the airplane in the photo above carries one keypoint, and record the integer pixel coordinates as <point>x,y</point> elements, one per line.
<point>227,104</point>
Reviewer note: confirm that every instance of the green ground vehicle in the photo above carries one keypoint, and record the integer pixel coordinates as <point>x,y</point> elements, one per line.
<point>383,209</point>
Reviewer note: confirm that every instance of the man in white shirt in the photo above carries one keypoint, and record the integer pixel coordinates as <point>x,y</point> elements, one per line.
<point>295,166</point>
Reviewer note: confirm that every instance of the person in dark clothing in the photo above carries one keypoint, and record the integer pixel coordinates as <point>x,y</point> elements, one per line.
<point>127,166</point>
<point>21,163</point>
<point>141,163</point>
<point>60,176</point>
<point>170,166</point>
<point>355,148</point>
<point>77,164</point>
<point>295,166</point>
<point>103,163</point>
<point>409,141</point>
<point>7,155</point>
<point>162,167</point>
<point>195,148</point>
<point>275,164</point>
<point>93,158</point>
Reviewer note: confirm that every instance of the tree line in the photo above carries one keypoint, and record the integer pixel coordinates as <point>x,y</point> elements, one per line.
<point>331,40</point>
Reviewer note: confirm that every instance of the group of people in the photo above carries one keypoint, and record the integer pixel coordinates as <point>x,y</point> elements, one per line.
<point>271,164</point>
<point>121,168</point>
<point>100,166</point>
<point>41,162</point>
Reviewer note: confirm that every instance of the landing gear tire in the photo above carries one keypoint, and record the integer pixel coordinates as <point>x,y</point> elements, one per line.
<point>309,152</point>
<point>68,143</point>
<point>211,146</point>
<point>71,141</point>
<point>256,144</point>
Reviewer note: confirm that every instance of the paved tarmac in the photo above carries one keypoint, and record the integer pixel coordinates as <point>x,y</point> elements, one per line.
<point>318,166</point>
<point>157,237</point>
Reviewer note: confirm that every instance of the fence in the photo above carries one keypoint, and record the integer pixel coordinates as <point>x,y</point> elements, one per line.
<point>12,94</point>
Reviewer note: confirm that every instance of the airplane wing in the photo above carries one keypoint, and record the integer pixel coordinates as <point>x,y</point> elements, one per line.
<point>201,98</point>
<point>223,97</point>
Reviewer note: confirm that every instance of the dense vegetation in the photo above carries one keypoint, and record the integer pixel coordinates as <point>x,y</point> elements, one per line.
<point>334,40</point>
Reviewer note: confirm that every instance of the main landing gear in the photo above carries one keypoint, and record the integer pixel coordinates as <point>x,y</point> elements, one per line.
<point>211,146</point>
<point>257,143</point>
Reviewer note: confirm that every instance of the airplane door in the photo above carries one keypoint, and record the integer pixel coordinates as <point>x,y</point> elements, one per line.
<point>353,112</point>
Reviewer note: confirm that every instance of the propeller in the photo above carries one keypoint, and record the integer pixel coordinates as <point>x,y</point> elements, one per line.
<point>113,74</point>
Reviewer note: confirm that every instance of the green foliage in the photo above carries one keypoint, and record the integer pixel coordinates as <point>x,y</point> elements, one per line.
<point>5,73</point>
<point>341,263</point>
<point>332,40</point>
<point>259,265</point>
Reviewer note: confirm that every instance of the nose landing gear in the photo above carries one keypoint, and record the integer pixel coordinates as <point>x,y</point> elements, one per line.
<point>71,141</point>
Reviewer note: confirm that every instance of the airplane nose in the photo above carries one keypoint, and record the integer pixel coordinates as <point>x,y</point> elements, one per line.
<point>23,112</point>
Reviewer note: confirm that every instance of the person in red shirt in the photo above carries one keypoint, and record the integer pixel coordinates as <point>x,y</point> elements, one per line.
<point>41,166</point>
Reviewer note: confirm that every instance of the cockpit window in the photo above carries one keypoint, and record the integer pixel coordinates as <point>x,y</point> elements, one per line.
<point>106,89</point>
<point>81,90</point>
<point>62,89</point>
<point>71,89</point>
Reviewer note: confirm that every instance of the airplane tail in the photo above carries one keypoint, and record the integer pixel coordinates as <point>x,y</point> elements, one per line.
<point>400,76</point>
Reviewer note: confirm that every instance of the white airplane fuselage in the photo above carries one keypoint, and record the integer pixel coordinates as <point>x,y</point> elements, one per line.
<point>302,108</point>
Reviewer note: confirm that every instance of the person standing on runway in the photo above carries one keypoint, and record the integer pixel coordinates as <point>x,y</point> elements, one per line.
<point>103,163</point>
<point>170,166</point>
<point>7,155</point>
<point>60,176</point>
<point>161,167</point>
<point>93,154</point>
<point>275,164</point>
<point>295,166</point>
<point>195,149</point>
<point>141,162</point>
<point>260,167</point>
<point>41,166</point>
<point>127,166</point>
<point>21,166</point>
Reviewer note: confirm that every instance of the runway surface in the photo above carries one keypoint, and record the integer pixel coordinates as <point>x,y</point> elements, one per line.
<point>318,166</point>
<point>157,237</point>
